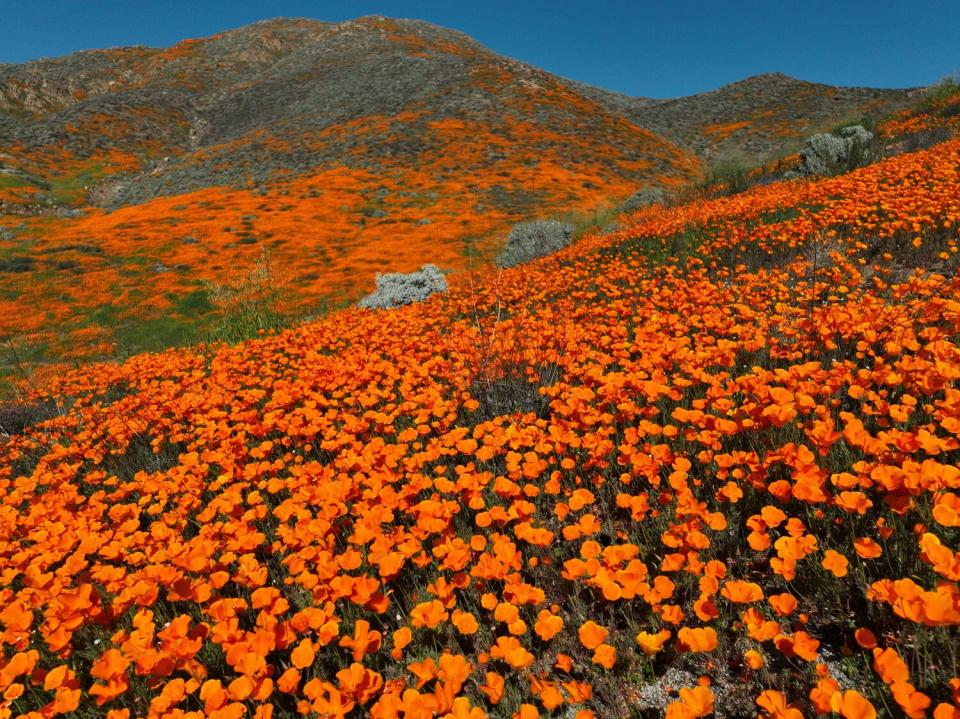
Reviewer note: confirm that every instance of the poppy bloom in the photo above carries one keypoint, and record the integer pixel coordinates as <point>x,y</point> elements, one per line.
<point>592,634</point>
<point>701,639</point>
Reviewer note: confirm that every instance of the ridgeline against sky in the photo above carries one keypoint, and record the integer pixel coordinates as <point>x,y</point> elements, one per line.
<point>649,49</point>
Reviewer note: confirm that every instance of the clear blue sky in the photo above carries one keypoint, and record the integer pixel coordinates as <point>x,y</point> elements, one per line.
<point>654,49</point>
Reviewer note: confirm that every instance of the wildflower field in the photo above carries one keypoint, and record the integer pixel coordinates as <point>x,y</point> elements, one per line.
<point>711,455</point>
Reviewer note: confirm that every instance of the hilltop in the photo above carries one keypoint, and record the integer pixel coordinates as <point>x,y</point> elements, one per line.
<point>288,97</point>
<point>762,116</point>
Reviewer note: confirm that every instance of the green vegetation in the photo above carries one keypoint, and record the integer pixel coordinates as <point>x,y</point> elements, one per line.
<point>151,335</point>
<point>7,180</point>
<point>730,172</point>
<point>600,219</point>
<point>938,100</point>
<point>71,189</point>
<point>250,306</point>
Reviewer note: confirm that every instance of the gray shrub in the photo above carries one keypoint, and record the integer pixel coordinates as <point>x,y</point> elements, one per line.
<point>395,289</point>
<point>529,240</point>
<point>643,197</point>
<point>858,134</point>
<point>827,154</point>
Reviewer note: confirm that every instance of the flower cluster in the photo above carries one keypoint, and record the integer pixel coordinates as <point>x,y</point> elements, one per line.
<point>737,463</point>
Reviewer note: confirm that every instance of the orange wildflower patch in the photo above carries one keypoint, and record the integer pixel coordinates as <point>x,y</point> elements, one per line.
<point>723,434</point>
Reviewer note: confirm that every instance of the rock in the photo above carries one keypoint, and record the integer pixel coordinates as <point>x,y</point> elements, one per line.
<point>643,197</point>
<point>656,694</point>
<point>529,240</point>
<point>822,153</point>
<point>827,154</point>
<point>857,133</point>
<point>395,289</point>
<point>732,698</point>
<point>66,212</point>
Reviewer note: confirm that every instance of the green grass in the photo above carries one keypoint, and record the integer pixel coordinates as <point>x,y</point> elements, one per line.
<point>940,94</point>
<point>478,252</point>
<point>154,334</point>
<point>13,181</point>
<point>16,360</point>
<point>600,219</point>
<point>186,322</point>
<point>730,172</point>
<point>70,189</point>
<point>192,304</point>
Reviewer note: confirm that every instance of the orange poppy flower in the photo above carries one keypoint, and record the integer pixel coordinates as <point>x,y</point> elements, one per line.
<point>493,687</point>
<point>526,711</point>
<point>946,711</point>
<point>835,563</point>
<point>775,706</point>
<point>696,701</point>
<point>428,614</point>
<point>401,638</point>
<point>867,548</point>
<point>913,703</point>
<point>363,642</point>
<point>851,704</point>
<point>512,652</point>
<point>651,644</point>
<point>592,634</point>
<point>783,604</point>
<point>889,666</point>
<point>753,659</point>
<point>946,510</point>
<point>240,688</point>
<point>741,592</point>
<point>865,638</point>
<point>425,671</point>
<point>548,693</point>
<point>548,625</point>
<point>303,654</point>
<point>605,656</point>
<point>702,639</point>
<point>465,622</point>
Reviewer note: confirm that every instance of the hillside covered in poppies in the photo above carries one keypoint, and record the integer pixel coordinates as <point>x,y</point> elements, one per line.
<point>703,462</point>
<point>135,182</point>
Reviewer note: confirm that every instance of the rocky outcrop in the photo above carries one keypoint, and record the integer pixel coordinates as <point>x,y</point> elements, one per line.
<point>827,154</point>
<point>643,197</point>
<point>395,289</point>
<point>529,240</point>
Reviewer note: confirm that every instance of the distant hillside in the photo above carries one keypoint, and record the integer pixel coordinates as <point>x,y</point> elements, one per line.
<point>133,178</point>
<point>762,115</point>
<point>246,107</point>
<point>249,106</point>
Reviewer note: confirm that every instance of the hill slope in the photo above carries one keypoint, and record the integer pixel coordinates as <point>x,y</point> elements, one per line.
<point>762,116</point>
<point>133,178</point>
<point>341,150</point>
<point>294,96</point>
<point>708,460</point>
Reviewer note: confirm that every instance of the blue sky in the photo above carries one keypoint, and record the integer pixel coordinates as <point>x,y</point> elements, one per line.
<point>654,49</point>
